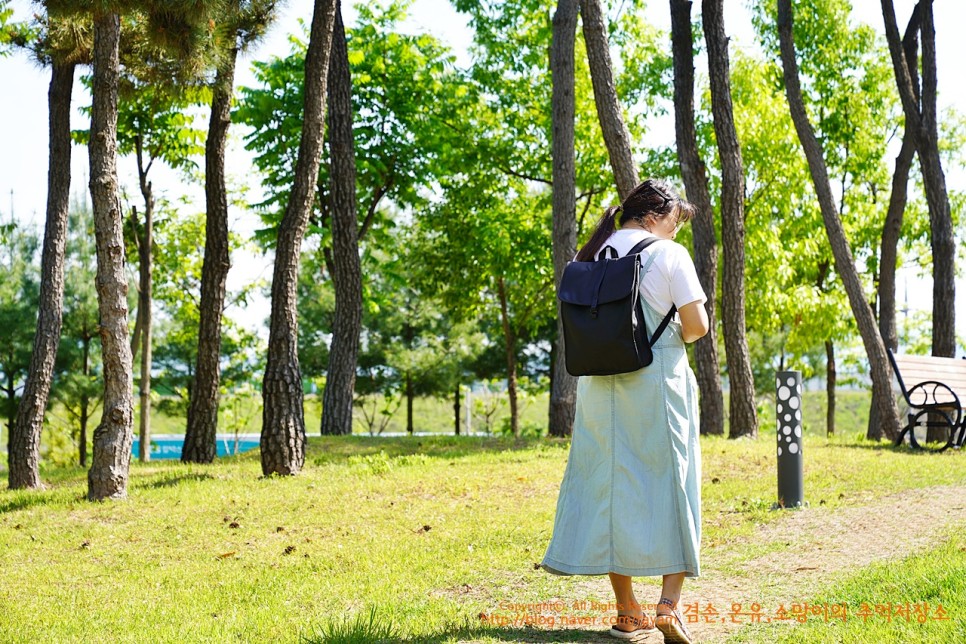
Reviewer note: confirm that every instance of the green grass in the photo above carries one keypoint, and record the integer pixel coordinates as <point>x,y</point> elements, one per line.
<point>420,533</point>
<point>897,601</point>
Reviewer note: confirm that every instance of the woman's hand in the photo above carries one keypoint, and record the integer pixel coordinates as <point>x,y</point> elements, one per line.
<point>694,321</point>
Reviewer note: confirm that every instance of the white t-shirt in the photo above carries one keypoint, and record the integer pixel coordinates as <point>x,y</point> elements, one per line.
<point>671,279</point>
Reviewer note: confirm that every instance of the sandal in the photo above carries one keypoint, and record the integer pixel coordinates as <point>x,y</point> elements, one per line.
<point>671,624</point>
<point>642,626</point>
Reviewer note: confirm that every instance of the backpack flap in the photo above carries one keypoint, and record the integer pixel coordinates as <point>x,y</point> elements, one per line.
<point>600,282</point>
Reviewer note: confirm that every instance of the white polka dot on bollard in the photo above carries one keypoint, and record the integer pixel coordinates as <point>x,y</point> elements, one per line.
<point>788,415</point>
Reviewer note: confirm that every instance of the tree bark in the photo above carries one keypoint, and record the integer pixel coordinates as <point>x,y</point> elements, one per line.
<point>563,386</point>
<point>695,177</point>
<point>200,441</point>
<point>617,138</point>
<point>844,264</point>
<point>511,357</point>
<point>346,267</point>
<point>24,438</point>
<point>924,121</point>
<point>107,478</point>
<point>283,417</point>
<point>892,228</point>
<point>743,415</point>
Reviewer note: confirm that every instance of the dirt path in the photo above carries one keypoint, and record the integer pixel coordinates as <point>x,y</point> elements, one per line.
<point>803,551</point>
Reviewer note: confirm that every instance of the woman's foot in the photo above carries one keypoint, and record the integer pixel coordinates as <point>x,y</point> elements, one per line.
<point>632,626</point>
<point>670,622</point>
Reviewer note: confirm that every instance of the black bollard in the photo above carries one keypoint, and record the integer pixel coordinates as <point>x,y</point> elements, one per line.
<point>788,413</point>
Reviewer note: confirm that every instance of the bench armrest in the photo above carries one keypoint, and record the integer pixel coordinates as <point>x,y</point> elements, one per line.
<point>932,394</point>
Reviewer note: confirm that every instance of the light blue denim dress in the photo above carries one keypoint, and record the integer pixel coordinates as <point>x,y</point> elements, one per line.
<point>630,499</point>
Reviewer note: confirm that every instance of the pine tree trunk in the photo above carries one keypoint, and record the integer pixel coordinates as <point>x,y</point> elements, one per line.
<point>844,264</point>
<point>200,441</point>
<point>892,228</point>
<point>283,417</point>
<point>107,478</point>
<point>830,384</point>
<point>509,339</point>
<point>695,177</point>
<point>617,138</point>
<point>24,437</point>
<point>346,268</point>
<point>743,415</point>
<point>563,386</point>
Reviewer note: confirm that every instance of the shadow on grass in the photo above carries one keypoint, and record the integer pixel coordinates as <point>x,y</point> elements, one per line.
<point>891,448</point>
<point>24,499</point>
<point>173,479</point>
<point>325,450</point>
<point>507,634</point>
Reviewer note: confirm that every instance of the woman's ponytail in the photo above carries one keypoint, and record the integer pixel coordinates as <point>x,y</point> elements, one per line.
<point>605,228</point>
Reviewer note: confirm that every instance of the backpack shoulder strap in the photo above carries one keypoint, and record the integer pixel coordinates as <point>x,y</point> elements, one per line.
<point>663,325</point>
<point>641,245</point>
<point>674,309</point>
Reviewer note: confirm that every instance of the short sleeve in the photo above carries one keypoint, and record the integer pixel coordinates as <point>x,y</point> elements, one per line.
<point>685,285</point>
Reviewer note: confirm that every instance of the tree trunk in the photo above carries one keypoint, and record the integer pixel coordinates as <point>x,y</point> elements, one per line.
<point>616,135</point>
<point>743,413</point>
<point>200,440</point>
<point>283,417</point>
<point>925,124</point>
<point>107,478</point>
<point>703,235</point>
<point>892,228</point>
<point>830,383</point>
<point>456,409</point>
<point>24,437</point>
<point>145,272</point>
<point>844,264</point>
<point>409,403</point>
<point>563,386</point>
<point>511,357</point>
<point>346,268</point>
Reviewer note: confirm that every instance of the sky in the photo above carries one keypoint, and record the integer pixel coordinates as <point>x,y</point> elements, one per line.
<point>23,110</point>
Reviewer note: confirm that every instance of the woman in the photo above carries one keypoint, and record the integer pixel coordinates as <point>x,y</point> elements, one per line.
<point>629,501</point>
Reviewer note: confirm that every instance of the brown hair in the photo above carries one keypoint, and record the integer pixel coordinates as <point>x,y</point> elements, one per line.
<point>652,198</point>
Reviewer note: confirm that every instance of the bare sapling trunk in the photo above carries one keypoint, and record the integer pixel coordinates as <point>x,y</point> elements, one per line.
<point>146,276</point>
<point>509,337</point>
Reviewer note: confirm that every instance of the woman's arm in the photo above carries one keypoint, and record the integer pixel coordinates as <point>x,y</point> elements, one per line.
<point>694,321</point>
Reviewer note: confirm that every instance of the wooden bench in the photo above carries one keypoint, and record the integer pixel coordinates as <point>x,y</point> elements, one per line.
<point>935,390</point>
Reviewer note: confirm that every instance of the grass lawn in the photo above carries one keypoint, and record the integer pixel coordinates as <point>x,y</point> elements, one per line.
<point>427,532</point>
